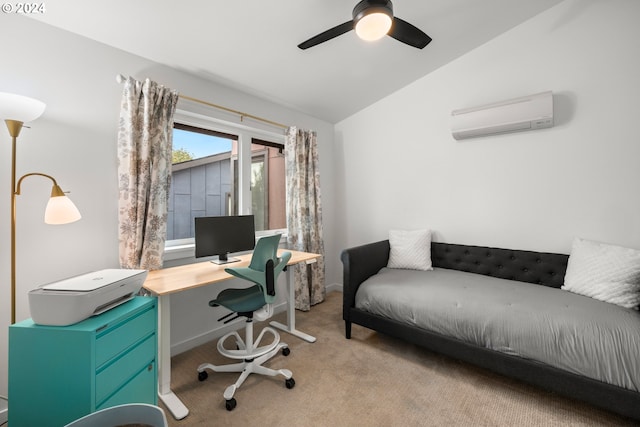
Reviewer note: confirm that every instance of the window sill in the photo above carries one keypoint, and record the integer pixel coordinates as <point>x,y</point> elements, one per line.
<point>179,252</point>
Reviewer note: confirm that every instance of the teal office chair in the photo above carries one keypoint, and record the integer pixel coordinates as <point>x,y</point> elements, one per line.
<point>253,303</point>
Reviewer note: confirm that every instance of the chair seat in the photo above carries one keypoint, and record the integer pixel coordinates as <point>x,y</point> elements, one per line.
<point>241,300</point>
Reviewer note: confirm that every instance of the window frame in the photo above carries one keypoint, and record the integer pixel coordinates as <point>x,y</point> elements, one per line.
<point>185,248</point>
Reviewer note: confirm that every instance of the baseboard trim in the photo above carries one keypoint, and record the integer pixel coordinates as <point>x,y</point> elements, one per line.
<point>4,411</point>
<point>335,287</point>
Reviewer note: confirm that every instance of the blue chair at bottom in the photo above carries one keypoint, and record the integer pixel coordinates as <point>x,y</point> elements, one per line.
<point>127,414</point>
<point>254,302</point>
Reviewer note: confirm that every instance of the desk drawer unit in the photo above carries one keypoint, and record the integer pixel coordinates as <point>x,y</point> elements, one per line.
<point>60,373</point>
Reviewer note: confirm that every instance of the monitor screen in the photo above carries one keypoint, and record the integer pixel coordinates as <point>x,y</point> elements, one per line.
<point>221,235</point>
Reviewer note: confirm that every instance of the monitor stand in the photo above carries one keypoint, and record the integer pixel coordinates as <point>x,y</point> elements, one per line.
<point>223,259</point>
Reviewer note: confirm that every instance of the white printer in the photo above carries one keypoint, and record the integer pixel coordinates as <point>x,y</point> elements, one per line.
<point>71,300</point>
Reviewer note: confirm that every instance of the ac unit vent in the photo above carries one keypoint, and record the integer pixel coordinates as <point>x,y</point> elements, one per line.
<point>514,115</point>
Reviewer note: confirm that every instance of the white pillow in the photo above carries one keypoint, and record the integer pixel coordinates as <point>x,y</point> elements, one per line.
<point>410,249</point>
<point>604,272</point>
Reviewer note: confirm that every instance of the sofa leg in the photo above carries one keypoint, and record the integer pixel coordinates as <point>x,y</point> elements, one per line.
<point>347,329</point>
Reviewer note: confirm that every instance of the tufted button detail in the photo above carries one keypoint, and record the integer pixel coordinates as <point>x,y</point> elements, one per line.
<point>526,270</point>
<point>539,261</point>
<point>500,266</point>
<point>512,257</point>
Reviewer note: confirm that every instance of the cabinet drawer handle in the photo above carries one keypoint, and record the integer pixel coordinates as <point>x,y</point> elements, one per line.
<point>150,367</point>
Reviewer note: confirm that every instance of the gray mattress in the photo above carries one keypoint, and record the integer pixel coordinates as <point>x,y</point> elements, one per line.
<point>568,331</point>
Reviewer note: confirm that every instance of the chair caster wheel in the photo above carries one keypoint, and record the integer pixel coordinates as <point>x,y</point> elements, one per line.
<point>202,376</point>
<point>286,351</point>
<point>230,404</point>
<point>290,383</point>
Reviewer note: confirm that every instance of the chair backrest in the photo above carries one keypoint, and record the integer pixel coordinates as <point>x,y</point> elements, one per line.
<point>267,250</point>
<point>134,413</point>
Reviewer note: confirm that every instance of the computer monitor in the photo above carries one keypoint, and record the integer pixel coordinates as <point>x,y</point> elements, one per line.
<point>221,235</point>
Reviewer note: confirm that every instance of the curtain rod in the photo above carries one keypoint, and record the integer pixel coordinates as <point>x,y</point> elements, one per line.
<point>120,79</point>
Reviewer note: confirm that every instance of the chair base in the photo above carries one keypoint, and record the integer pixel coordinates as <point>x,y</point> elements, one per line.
<point>252,360</point>
<point>249,350</point>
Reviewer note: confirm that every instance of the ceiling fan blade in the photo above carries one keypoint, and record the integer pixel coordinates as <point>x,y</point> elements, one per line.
<point>406,33</point>
<point>327,35</point>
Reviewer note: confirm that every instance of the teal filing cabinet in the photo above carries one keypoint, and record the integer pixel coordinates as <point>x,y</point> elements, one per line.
<point>58,374</point>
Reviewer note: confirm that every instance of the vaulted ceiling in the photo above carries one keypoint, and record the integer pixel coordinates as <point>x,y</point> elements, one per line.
<point>251,45</point>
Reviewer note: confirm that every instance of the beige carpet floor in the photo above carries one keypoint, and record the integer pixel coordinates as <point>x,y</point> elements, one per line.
<point>370,380</point>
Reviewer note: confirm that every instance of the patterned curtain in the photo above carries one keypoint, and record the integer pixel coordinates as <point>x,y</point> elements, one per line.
<point>145,137</point>
<point>304,214</point>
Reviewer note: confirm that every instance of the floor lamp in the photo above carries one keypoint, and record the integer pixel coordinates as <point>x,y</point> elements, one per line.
<point>17,109</point>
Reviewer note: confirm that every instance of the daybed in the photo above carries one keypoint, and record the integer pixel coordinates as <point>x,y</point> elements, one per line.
<point>490,307</point>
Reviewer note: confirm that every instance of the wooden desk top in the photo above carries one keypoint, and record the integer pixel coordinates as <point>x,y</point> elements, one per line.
<point>183,277</point>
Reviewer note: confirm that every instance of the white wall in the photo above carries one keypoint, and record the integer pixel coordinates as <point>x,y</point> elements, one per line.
<point>536,190</point>
<point>75,141</point>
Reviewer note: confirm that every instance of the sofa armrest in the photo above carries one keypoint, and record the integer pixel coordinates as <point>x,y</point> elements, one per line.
<point>360,263</point>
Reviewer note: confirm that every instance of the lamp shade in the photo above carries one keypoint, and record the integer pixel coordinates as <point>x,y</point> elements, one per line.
<point>61,210</point>
<point>20,108</point>
<point>373,26</point>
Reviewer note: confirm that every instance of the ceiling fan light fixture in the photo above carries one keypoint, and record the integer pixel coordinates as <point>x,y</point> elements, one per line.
<point>373,26</point>
<point>372,20</point>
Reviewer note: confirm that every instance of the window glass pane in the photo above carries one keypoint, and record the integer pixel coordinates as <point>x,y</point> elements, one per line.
<point>201,179</point>
<point>258,193</point>
<point>268,185</point>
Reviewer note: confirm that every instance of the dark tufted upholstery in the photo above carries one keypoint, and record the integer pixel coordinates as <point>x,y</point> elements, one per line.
<point>541,268</point>
<point>546,269</point>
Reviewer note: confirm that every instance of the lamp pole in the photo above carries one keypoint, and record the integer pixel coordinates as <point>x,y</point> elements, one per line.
<point>14,127</point>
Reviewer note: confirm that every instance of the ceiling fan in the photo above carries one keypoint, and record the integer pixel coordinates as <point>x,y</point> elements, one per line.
<point>372,20</point>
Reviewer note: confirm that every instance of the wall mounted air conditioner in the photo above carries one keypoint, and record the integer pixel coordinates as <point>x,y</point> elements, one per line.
<point>514,115</point>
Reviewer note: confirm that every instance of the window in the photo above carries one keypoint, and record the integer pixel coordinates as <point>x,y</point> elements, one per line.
<point>267,185</point>
<point>210,163</point>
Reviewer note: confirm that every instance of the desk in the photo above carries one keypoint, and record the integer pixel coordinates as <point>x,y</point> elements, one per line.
<point>165,282</point>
